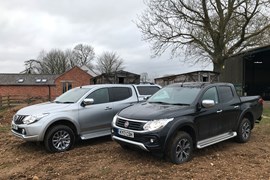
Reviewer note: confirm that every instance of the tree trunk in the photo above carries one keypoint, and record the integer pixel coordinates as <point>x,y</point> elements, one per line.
<point>219,68</point>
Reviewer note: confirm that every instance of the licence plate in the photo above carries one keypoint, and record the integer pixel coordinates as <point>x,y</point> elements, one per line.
<point>126,133</point>
<point>14,126</point>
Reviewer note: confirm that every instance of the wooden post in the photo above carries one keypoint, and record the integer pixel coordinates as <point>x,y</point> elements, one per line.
<point>8,100</point>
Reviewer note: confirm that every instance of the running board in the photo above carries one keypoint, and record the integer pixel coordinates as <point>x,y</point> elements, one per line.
<point>215,139</point>
<point>95,134</point>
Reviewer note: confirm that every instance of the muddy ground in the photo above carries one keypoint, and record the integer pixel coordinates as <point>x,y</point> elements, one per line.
<point>102,158</point>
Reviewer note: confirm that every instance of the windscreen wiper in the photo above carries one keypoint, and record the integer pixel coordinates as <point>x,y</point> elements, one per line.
<point>180,104</point>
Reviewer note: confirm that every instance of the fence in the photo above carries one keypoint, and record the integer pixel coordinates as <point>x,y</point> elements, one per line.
<point>14,100</point>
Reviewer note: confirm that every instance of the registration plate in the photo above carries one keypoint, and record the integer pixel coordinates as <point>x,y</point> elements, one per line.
<point>126,133</point>
<point>14,126</point>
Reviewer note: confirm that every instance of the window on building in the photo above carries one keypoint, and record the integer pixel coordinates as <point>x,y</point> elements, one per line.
<point>66,86</point>
<point>205,79</point>
<point>21,80</point>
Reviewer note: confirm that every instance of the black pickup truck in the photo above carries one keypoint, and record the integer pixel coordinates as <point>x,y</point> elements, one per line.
<point>184,116</point>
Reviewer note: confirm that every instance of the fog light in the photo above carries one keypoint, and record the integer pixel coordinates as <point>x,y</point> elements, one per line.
<point>152,140</point>
<point>23,131</point>
<point>112,131</point>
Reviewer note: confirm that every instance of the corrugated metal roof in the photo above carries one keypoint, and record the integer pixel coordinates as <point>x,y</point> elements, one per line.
<point>27,79</point>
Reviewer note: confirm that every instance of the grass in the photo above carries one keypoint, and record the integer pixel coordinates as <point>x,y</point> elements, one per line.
<point>4,128</point>
<point>266,114</point>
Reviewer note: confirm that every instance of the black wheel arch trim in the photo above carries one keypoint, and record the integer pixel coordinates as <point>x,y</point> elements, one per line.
<point>246,113</point>
<point>181,124</point>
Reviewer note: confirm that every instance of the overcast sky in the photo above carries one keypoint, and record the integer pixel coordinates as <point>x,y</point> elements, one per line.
<point>27,27</point>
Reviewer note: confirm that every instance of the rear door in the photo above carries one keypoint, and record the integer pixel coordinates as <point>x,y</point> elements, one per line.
<point>230,106</point>
<point>122,97</point>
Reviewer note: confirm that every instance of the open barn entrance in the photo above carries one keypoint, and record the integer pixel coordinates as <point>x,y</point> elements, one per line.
<point>257,74</point>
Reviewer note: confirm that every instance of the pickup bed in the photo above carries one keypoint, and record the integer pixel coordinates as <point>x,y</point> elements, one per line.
<point>84,112</point>
<point>181,117</point>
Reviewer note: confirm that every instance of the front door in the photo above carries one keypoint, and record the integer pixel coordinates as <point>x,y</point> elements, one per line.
<point>97,117</point>
<point>208,119</point>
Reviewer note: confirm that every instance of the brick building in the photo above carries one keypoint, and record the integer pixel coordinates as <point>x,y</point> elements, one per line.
<point>41,85</point>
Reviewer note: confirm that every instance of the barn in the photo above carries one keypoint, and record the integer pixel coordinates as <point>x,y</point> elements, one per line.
<point>249,71</point>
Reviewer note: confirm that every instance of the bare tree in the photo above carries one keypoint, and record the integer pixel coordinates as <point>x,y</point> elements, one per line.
<point>83,55</point>
<point>53,62</point>
<point>109,62</point>
<point>205,30</point>
<point>30,67</point>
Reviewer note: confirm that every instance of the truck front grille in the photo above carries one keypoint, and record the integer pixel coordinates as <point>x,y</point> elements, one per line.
<point>18,119</point>
<point>130,124</point>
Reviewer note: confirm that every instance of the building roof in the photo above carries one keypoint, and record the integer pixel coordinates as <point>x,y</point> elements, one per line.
<point>89,71</point>
<point>172,76</point>
<point>27,79</point>
<point>121,72</point>
<point>252,50</point>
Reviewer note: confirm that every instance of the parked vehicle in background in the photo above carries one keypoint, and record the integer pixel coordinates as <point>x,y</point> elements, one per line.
<point>85,111</point>
<point>181,117</point>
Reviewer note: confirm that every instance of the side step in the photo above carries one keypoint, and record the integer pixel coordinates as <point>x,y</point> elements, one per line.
<point>95,134</point>
<point>215,139</point>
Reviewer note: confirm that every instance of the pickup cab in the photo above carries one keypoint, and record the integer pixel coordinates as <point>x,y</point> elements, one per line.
<point>84,112</point>
<point>181,117</point>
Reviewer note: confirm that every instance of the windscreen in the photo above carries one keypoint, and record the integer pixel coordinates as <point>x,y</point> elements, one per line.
<point>175,95</point>
<point>72,95</point>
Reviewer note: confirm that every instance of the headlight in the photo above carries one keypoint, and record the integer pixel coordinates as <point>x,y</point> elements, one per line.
<point>156,124</point>
<point>33,118</point>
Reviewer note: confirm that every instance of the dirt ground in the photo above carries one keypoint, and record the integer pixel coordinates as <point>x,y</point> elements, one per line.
<point>102,158</point>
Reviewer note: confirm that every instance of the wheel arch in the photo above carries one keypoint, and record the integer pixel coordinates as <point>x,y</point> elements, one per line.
<point>62,122</point>
<point>186,127</point>
<point>248,115</point>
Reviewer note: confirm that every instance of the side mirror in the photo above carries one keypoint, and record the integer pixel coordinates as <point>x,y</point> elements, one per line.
<point>87,102</point>
<point>208,103</point>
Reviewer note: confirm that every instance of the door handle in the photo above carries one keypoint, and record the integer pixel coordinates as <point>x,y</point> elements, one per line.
<point>236,107</point>
<point>107,108</point>
<point>219,111</point>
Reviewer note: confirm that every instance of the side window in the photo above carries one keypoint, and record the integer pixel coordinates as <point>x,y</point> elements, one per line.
<point>147,90</point>
<point>211,94</point>
<point>100,96</point>
<point>119,93</point>
<point>226,94</point>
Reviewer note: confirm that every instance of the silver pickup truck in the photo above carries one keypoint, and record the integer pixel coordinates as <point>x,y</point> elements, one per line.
<point>84,112</point>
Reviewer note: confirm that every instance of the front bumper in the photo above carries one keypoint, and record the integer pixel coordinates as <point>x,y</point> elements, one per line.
<point>25,137</point>
<point>30,132</point>
<point>134,143</point>
<point>147,141</point>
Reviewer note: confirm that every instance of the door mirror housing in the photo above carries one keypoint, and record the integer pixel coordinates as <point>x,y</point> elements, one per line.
<point>87,102</point>
<point>207,103</point>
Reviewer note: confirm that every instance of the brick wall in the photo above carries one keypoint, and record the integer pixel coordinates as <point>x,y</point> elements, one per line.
<point>75,76</point>
<point>27,91</point>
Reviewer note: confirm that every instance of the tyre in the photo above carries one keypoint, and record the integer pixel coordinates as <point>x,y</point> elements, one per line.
<point>59,138</point>
<point>180,148</point>
<point>244,131</point>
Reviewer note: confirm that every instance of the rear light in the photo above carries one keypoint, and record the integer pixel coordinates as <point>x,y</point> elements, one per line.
<point>260,101</point>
